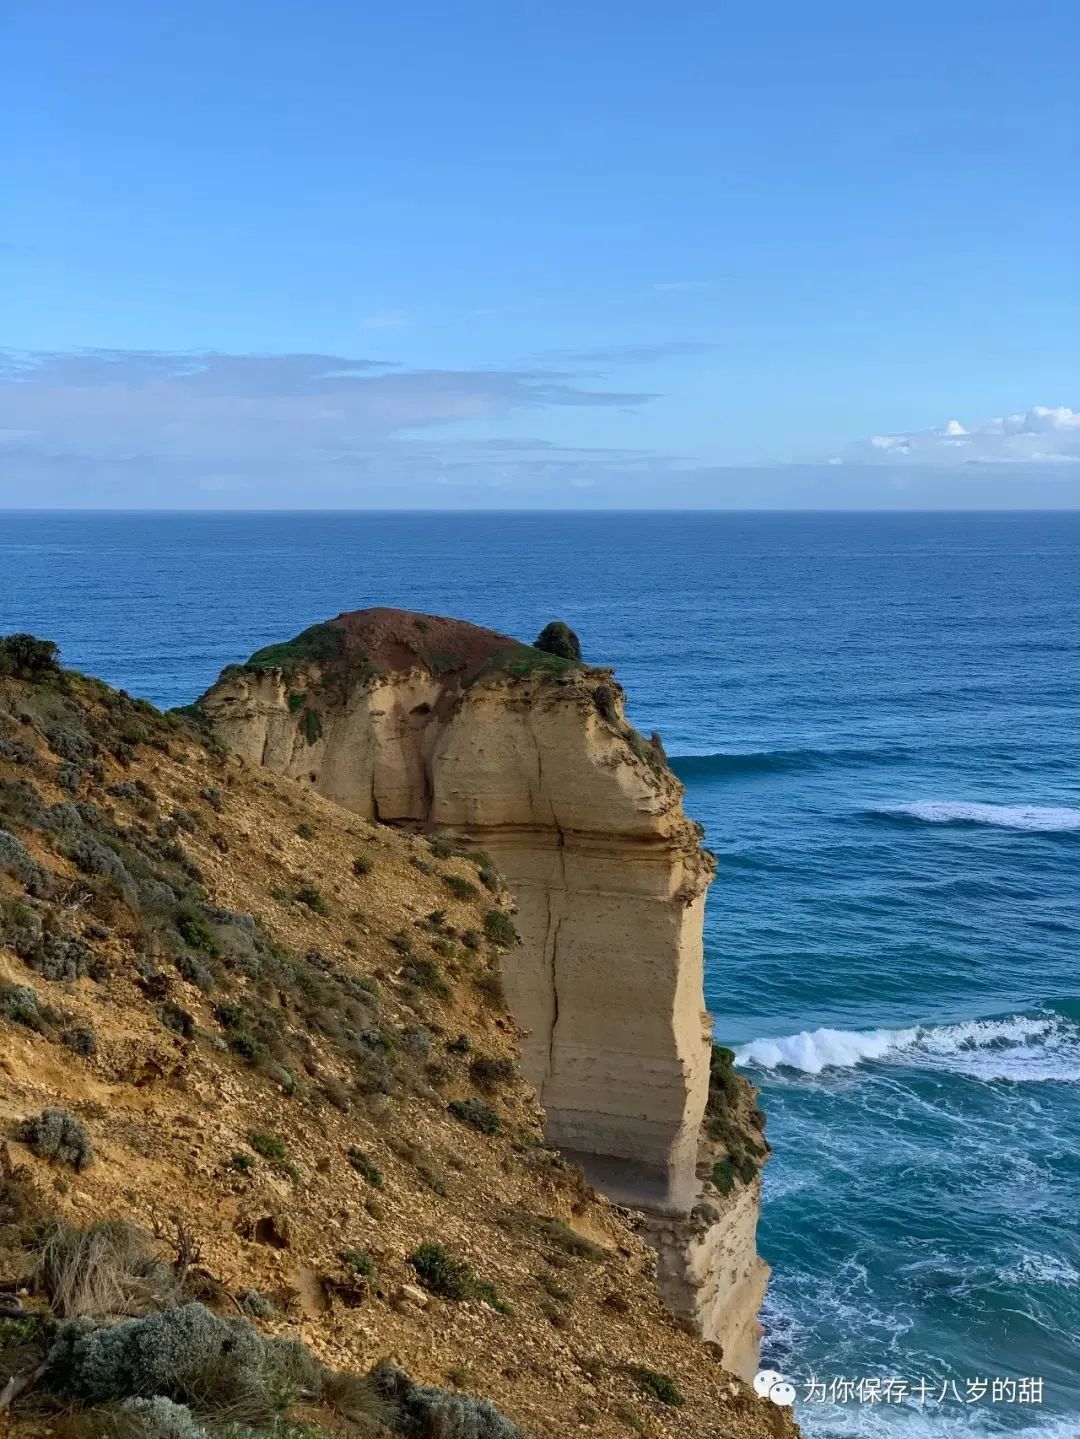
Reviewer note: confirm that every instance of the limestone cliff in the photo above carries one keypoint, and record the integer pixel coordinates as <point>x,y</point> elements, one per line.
<point>437,725</point>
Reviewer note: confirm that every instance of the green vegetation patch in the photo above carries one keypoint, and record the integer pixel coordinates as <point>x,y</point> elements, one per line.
<point>660,1386</point>
<point>28,658</point>
<point>319,644</point>
<point>520,661</point>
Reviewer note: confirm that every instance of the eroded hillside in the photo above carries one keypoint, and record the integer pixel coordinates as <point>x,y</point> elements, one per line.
<point>264,1042</point>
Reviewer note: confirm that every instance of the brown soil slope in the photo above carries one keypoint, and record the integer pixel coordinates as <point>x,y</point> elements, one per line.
<point>282,1030</point>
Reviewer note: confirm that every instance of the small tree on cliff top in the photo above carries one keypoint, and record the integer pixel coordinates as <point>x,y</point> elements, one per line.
<point>559,639</point>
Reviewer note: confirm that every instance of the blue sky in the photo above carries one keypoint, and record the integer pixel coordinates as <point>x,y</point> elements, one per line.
<point>346,253</point>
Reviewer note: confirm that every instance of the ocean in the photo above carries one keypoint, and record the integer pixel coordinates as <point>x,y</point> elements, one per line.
<point>876,720</point>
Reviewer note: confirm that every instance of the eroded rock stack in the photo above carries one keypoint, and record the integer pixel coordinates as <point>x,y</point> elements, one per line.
<point>436,724</point>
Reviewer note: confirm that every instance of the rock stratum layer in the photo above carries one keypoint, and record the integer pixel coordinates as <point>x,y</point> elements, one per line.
<point>440,726</point>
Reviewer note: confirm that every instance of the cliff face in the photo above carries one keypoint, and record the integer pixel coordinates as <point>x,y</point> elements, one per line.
<point>440,726</point>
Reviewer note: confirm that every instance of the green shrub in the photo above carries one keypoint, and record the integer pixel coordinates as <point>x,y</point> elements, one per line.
<point>242,1163</point>
<point>312,726</point>
<point>491,1074</point>
<point>305,830</point>
<point>426,1411</point>
<point>81,1040</point>
<point>359,1262</point>
<point>362,866</point>
<point>557,638</point>
<point>28,658</point>
<point>441,847</point>
<point>257,1305</point>
<point>309,895</point>
<point>460,887</point>
<point>499,928</point>
<point>195,932</point>
<point>365,1167</point>
<point>440,1273</point>
<point>476,1114</point>
<point>171,1354</point>
<point>156,1418</point>
<point>268,1145</point>
<point>426,974</point>
<point>57,1135</point>
<point>19,1004</point>
<point>319,643</point>
<point>660,1386</point>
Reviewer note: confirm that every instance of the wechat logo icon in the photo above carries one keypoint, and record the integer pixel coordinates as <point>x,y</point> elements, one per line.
<point>770,1384</point>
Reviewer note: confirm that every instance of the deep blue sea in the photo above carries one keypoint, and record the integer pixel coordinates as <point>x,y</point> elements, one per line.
<point>877,719</point>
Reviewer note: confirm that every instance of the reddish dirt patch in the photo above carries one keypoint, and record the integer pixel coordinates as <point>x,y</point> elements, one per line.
<point>397,639</point>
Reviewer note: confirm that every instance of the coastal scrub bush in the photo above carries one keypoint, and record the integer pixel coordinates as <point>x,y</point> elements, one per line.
<point>319,643</point>
<point>268,1145</point>
<point>312,726</point>
<point>362,866</point>
<point>491,1074</point>
<point>499,928</point>
<point>425,1410</point>
<point>365,1167</point>
<point>28,658</point>
<point>426,974</point>
<point>172,1354</point>
<point>57,1135</point>
<point>156,1418</point>
<point>442,1274</point>
<point>81,1040</point>
<point>660,1386</point>
<point>557,638</point>
<point>460,887</point>
<point>476,1114</point>
<point>309,895</point>
<point>358,1262</point>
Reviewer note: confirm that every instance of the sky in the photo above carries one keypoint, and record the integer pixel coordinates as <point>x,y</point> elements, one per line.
<point>539,253</point>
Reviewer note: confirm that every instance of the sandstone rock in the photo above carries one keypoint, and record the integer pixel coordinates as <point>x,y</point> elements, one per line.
<point>440,726</point>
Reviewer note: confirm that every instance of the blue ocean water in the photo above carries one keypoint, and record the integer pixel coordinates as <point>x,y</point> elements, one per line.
<point>876,719</point>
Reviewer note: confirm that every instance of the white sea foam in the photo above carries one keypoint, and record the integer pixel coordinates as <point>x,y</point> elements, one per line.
<point>1022,1047</point>
<point>907,1421</point>
<point>1045,818</point>
<point>1044,1269</point>
<point>818,1049</point>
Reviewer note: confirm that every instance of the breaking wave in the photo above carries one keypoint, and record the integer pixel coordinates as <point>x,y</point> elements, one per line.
<point>1019,1048</point>
<point>1045,818</point>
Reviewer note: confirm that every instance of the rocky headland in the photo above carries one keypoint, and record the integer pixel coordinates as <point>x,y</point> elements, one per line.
<point>525,759</point>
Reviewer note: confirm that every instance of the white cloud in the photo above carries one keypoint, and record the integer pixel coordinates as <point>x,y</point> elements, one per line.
<point>90,426</point>
<point>1044,434</point>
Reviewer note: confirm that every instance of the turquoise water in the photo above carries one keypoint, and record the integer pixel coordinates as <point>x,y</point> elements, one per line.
<point>876,719</point>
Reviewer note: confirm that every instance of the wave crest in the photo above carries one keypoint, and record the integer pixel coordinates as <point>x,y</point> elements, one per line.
<point>1044,818</point>
<point>1020,1048</point>
<point>774,761</point>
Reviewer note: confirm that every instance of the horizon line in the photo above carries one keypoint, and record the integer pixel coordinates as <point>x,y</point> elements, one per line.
<point>538,510</point>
